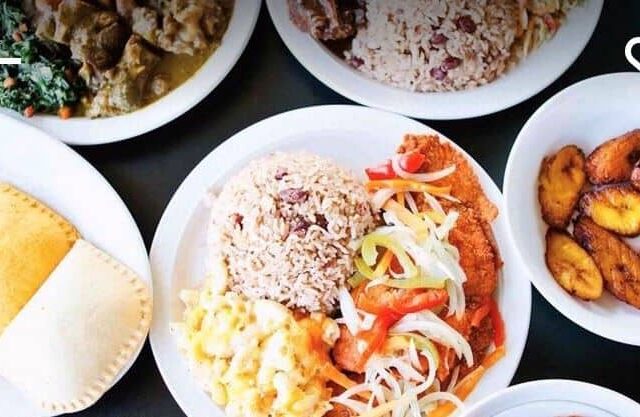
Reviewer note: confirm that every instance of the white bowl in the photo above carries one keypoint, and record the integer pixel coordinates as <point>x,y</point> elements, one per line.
<point>85,131</point>
<point>555,398</point>
<point>354,137</point>
<point>585,114</point>
<point>531,76</point>
<point>60,178</point>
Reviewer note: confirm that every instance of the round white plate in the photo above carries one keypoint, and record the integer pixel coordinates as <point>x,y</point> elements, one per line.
<point>555,398</point>
<point>585,114</point>
<point>530,77</point>
<point>85,131</point>
<point>60,178</point>
<point>354,137</point>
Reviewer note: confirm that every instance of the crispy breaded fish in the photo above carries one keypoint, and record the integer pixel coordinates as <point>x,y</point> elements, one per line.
<point>33,240</point>
<point>560,182</point>
<point>464,182</point>
<point>618,263</point>
<point>613,161</point>
<point>616,208</point>
<point>572,267</point>
<point>479,258</point>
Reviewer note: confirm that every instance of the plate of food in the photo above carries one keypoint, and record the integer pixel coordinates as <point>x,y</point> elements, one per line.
<point>573,205</point>
<point>99,72</point>
<point>75,282</point>
<point>436,60</point>
<point>336,260</point>
<point>556,398</point>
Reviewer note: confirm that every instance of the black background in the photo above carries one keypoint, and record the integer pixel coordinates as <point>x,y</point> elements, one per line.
<point>268,80</point>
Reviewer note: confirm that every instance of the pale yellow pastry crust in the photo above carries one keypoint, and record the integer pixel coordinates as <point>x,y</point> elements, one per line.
<point>130,285</point>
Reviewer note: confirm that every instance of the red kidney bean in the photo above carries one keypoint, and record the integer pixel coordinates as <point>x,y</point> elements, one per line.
<point>294,195</point>
<point>466,24</point>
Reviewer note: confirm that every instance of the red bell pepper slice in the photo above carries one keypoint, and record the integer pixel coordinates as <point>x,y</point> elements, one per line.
<point>499,333</point>
<point>381,172</point>
<point>412,161</point>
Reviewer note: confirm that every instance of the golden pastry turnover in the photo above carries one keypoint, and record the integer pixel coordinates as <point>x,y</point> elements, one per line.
<point>33,240</point>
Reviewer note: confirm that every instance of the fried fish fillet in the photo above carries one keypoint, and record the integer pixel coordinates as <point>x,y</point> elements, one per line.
<point>560,182</point>
<point>479,258</point>
<point>572,267</point>
<point>616,208</point>
<point>33,240</point>
<point>464,183</point>
<point>618,263</point>
<point>635,176</point>
<point>613,161</point>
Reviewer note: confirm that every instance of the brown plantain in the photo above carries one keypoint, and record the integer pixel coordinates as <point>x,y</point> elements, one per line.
<point>613,161</point>
<point>615,208</point>
<point>572,267</point>
<point>618,263</point>
<point>560,182</point>
<point>635,177</point>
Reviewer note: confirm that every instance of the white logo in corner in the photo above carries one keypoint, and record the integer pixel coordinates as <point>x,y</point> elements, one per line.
<point>628,51</point>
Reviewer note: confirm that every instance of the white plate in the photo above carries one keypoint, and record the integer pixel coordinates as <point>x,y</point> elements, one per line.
<point>555,398</point>
<point>354,137</point>
<point>60,178</point>
<point>85,131</point>
<point>585,114</point>
<point>531,76</point>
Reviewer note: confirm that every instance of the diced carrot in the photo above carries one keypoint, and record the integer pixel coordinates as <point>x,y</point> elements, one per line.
<point>65,112</point>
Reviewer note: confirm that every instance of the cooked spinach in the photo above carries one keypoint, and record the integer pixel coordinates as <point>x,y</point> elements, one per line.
<point>43,79</point>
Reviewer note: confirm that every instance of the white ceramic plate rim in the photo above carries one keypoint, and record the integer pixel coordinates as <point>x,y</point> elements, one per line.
<point>85,131</point>
<point>263,135</point>
<point>530,77</point>
<point>555,390</point>
<point>117,215</point>
<point>545,284</point>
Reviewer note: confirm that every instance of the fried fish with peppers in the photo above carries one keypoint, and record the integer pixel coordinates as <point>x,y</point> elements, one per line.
<point>615,208</point>
<point>613,161</point>
<point>464,183</point>
<point>572,267</point>
<point>618,263</point>
<point>562,177</point>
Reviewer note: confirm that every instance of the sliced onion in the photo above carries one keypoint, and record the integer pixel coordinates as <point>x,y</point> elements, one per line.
<point>380,197</point>
<point>433,327</point>
<point>413,355</point>
<point>357,406</point>
<point>349,312</point>
<point>454,379</point>
<point>421,177</point>
<point>434,204</point>
<point>411,202</point>
<point>441,396</point>
<point>449,223</point>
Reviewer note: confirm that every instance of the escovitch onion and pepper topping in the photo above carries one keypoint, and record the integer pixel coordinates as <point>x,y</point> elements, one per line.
<point>407,287</point>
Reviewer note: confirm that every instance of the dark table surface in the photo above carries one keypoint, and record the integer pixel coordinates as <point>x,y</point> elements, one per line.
<point>268,80</point>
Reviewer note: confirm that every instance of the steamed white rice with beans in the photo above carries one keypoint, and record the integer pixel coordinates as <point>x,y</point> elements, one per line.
<point>447,45</point>
<point>283,226</point>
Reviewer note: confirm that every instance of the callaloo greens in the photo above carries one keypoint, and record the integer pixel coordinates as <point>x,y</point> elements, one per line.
<point>44,82</point>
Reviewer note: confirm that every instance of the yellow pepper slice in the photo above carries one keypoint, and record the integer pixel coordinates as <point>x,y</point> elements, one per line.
<point>402,185</point>
<point>412,221</point>
<point>418,281</point>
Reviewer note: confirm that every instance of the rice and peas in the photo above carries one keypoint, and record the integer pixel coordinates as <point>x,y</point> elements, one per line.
<point>434,45</point>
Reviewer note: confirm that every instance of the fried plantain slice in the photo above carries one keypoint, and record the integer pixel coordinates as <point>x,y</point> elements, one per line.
<point>618,263</point>
<point>572,267</point>
<point>613,161</point>
<point>635,177</point>
<point>561,179</point>
<point>615,208</point>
